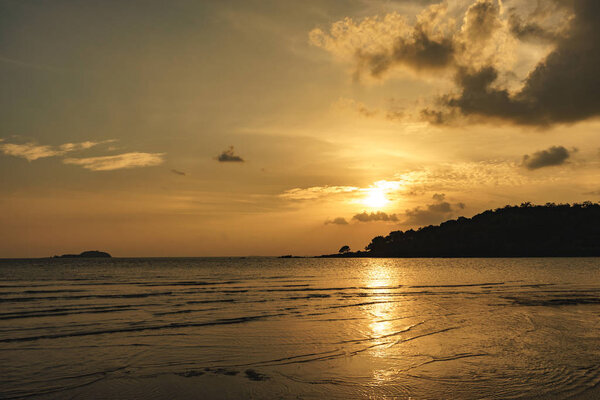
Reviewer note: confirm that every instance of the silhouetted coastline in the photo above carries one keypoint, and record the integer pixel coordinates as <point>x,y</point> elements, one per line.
<point>551,230</point>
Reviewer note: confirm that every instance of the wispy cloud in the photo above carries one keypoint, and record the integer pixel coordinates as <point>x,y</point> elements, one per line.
<point>345,103</point>
<point>460,175</point>
<point>229,156</point>
<point>119,161</point>
<point>32,151</point>
<point>434,179</point>
<point>316,192</point>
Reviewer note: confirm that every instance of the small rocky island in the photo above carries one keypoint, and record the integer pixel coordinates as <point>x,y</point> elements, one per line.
<point>86,254</point>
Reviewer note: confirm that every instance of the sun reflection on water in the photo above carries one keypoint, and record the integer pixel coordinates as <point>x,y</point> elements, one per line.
<point>382,312</point>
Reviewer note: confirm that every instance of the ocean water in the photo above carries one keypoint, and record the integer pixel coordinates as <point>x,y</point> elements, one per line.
<point>266,328</point>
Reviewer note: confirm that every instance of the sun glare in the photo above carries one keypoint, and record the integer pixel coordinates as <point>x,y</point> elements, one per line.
<point>375,198</point>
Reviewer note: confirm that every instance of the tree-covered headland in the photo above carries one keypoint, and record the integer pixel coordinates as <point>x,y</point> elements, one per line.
<point>551,230</point>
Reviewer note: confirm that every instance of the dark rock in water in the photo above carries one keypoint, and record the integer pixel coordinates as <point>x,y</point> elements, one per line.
<point>190,373</point>
<point>86,254</point>
<point>255,376</point>
<point>222,371</point>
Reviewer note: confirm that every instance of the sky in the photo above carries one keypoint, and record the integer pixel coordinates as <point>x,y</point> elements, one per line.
<point>240,128</point>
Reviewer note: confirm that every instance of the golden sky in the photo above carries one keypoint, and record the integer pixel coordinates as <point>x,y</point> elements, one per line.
<point>206,128</point>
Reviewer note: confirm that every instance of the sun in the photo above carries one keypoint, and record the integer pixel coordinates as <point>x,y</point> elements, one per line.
<point>375,198</point>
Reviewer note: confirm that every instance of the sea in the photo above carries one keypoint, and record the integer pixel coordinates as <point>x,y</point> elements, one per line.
<point>306,328</point>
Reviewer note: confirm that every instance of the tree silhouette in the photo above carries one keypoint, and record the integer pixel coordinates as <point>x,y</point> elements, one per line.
<point>344,249</point>
<point>527,230</point>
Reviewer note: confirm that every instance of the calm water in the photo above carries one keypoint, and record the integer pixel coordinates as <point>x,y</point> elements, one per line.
<point>300,328</point>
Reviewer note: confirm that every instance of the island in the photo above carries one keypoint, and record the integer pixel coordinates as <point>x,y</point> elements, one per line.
<point>86,254</point>
<point>527,230</point>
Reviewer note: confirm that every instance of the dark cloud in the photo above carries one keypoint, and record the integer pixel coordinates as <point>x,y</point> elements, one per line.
<point>431,214</point>
<point>443,207</point>
<point>439,197</point>
<point>375,216</point>
<point>422,49</point>
<point>555,155</point>
<point>434,43</point>
<point>229,156</point>
<point>563,88</point>
<point>419,52</point>
<point>177,172</point>
<point>479,98</point>
<point>337,221</point>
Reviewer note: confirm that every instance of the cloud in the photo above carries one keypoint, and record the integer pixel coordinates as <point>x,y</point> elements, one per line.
<point>443,207</point>
<point>433,43</point>
<point>337,221</point>
<point>458,175</point>
<point>438,197</point>
<point>119,161</point>
<point>377,44</point>
<point>316,192</point>
<point>424,47</point>
<point>431,214</point>
<point>481,53</point>
<point>177,172</point>
<point>375,216</point>
<point>562,88</point>
<point>32,151</point>
<point>555,155</point>
<point>229,156</point>
<point>29,151</point>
